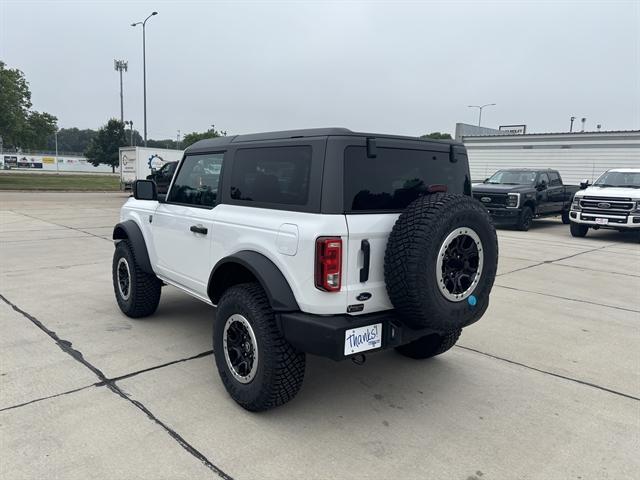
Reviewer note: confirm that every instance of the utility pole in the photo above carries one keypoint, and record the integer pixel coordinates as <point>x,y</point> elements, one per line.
<point>571,125</point>
<point>120,66</point>
<point>178,140</point>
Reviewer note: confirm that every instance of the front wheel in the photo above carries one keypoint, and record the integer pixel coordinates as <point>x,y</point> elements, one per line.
<point>565,217</point>
<point>578,230</point>
<point>137,292</point>
<point>257,366</point>
<point>429,345</point>
<point>526,217</point>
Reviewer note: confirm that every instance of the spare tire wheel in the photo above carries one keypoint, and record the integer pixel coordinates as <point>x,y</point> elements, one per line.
<point>441,261</point>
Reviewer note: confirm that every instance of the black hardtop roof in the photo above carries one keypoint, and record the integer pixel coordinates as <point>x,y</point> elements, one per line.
<point>220,142</point>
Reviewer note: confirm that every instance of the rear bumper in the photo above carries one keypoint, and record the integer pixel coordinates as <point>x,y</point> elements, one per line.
<point>324,335</point>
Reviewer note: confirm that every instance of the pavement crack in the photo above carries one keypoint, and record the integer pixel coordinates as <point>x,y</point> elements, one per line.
<point>156,367</point>
<point>568,298</point>
<point>64,226</point>
<point>546,372</point>
<point>48,397</point>
<point>66,347</point>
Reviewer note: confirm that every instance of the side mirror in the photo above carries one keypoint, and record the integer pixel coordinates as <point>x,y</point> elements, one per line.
<point>584,184</point>
<point>145,190</point>
<point>542,185</point>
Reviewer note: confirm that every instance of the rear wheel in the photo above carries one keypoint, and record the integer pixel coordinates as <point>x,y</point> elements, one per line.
<point>526,217</point>
<point>578,230</point>
<point>258,367</point>
<point>429,345</point>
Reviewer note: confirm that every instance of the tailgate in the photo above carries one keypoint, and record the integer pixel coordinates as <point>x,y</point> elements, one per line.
<point>368,231</point>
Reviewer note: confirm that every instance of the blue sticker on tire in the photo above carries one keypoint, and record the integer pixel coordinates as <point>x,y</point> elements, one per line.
<point>472,300</point>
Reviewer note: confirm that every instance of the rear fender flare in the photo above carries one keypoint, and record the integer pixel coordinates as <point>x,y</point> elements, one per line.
<point>273,282</point>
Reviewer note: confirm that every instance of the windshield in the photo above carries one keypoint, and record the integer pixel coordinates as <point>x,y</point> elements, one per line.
<point>513,177</point>
<point>619,179</point>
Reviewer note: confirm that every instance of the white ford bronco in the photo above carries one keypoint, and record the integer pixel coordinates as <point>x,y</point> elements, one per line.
<point>324,242</point>
<point>612,202</point>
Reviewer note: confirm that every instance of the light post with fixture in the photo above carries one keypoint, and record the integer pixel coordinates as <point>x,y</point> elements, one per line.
<point>144,69</point>
<point>480,107</point>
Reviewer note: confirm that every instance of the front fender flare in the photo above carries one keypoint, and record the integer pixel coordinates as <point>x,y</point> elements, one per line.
<point>268,275</point>
<point>129,230</point>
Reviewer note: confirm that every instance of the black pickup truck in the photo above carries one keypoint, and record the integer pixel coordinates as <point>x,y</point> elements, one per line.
<point>517,196</point>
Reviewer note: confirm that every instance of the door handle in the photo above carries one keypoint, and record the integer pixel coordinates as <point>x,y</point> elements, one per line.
<point>366,250</point>
<point>199,229</point>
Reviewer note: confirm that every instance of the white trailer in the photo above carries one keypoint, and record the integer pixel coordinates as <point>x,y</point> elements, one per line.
<point>138,162</point>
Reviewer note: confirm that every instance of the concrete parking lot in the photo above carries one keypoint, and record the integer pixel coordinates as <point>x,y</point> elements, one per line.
<point>545,386</point>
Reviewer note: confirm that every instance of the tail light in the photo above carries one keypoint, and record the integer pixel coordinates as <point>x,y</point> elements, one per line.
<point>328,263</point>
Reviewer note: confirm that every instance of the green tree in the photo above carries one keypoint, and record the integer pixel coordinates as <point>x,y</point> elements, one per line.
<point>71,140</point>
<point>39,128</point>
<point>437,136</point>
<point>20,126</point>
<point>194,137</point>
<point>103,148</point>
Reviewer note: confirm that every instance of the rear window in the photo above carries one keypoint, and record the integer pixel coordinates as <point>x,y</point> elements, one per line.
<point>394,178</point>
<point>277,175</point>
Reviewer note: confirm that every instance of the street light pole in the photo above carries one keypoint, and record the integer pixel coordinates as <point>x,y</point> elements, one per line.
<point>480,107</point>
<point>120,66</point>
<point>144,69</point>
<point>57,164</point>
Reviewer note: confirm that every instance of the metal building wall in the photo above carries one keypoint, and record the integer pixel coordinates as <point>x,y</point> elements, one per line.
<point>576,156</point>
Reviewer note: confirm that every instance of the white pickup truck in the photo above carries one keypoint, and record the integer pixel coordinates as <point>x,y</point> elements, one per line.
<point>613,201</point>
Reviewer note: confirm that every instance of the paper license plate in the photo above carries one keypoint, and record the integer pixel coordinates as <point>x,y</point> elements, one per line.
<point>602,221</point>
<point>362,339</point>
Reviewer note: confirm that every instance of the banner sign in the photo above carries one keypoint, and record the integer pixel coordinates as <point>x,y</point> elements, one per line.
<point>514,129</point>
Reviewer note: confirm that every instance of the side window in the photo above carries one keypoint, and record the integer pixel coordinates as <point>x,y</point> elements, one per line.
<point>544,178</point>
<point>554,179</point>
<point>197,180</point>
<point>272,175</point>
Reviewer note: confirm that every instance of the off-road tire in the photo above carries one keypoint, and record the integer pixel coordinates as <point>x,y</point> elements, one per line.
<point>411,259</point>
<point>280,369</point>
<point>429,345</point>
<point>144,288</point>
<point>578,230</point>
<point>526,217</point>
<point>565,217</point>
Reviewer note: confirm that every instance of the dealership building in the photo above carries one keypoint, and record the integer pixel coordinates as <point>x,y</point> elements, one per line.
<point>577,155</point>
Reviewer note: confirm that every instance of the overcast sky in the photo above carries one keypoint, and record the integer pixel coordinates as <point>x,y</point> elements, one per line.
<point>388,67</point>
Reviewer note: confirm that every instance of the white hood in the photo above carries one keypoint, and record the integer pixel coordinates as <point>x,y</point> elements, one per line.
<point>612,192</point>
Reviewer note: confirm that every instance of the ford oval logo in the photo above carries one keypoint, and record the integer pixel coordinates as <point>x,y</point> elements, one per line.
<point>604,205</point>
<point>363,297</point>
<point>485,199</point>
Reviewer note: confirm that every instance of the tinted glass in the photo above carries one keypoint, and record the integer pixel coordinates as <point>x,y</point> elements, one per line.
<point>394,178</point>
<point>197,180</point>
<point>272,175</point>
<point>543,178</point>
<point>513,177</point>
<point>619,179</point>
<point>555,178</point>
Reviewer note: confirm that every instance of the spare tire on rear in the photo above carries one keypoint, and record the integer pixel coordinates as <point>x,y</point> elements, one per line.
<point>441,261</point>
